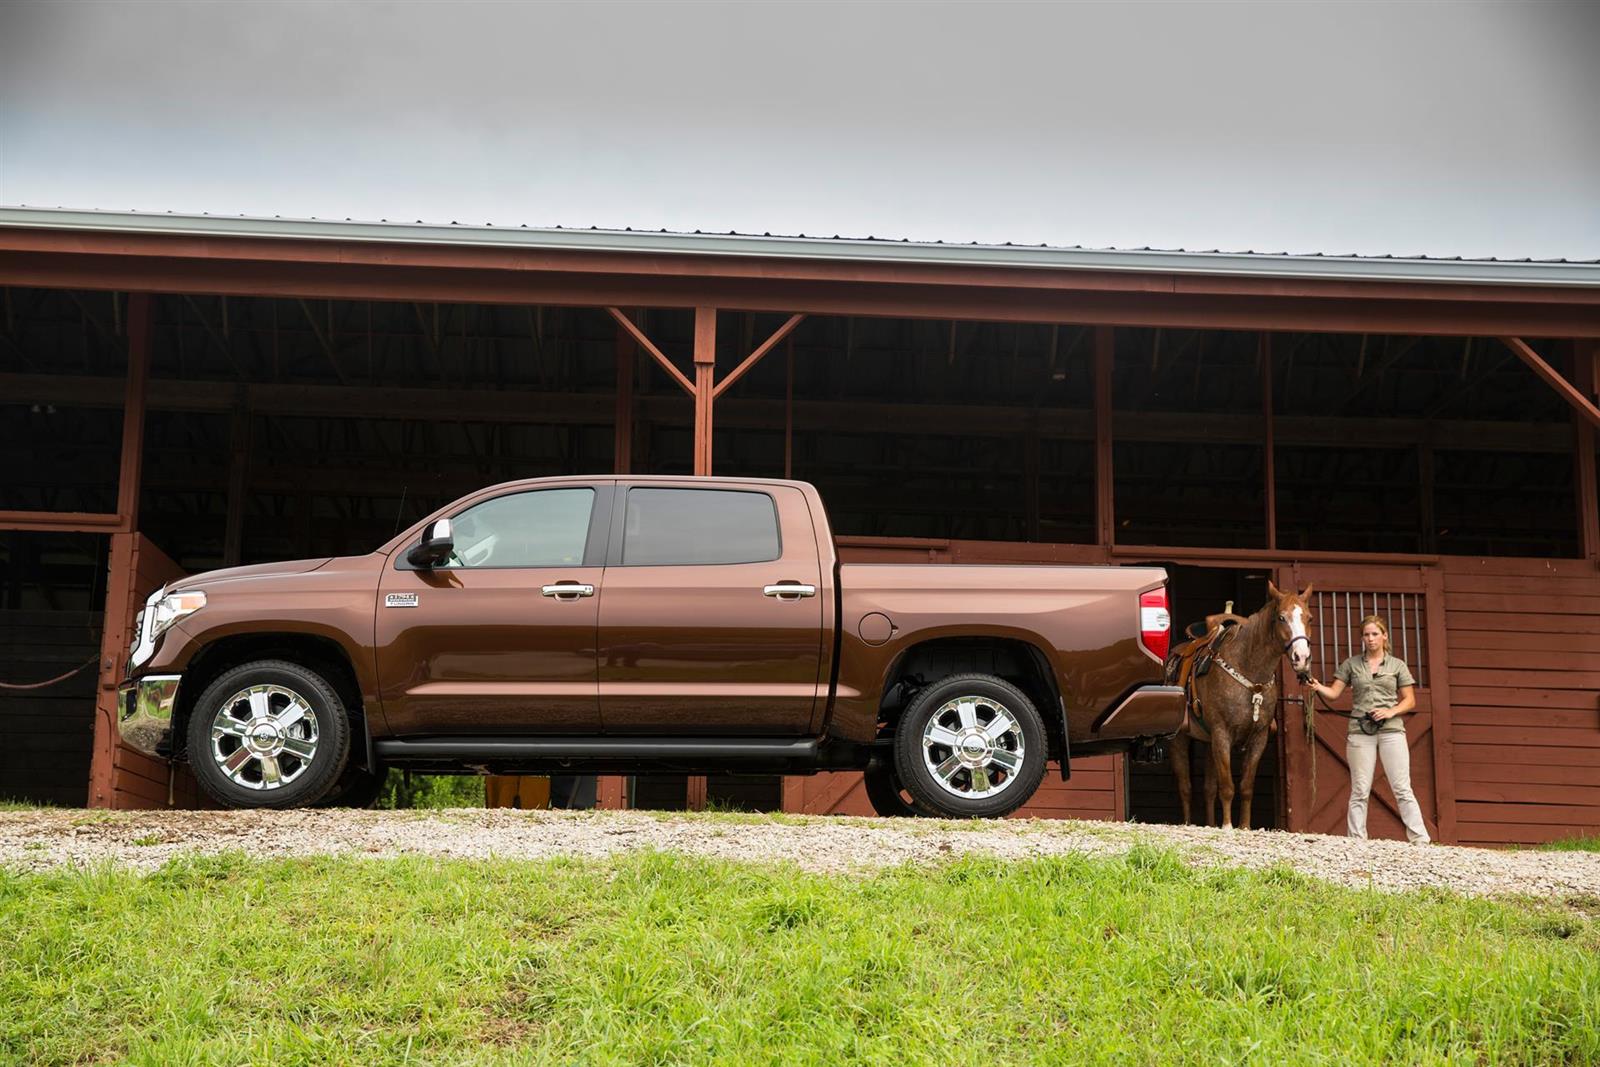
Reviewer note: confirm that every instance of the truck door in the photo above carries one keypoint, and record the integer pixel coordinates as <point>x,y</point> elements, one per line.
<point>501,639</point>
<point>711,619</point>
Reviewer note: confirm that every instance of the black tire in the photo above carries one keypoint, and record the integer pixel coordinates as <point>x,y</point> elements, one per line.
<point>308,749</point>
<point>1012,764</point>
<point>884,791</point>
<point>359,788</point>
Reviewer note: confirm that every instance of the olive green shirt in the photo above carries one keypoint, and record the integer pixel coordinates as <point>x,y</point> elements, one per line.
<point>1374,689</point>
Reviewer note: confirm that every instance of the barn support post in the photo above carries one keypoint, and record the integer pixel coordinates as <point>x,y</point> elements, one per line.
<point>788,415</point>
<point>622,450</point>
<point>139,332</point>
<point>1587,496</point>
<point>1425,504</point>
<point>238,475</point>
<point>1104,352</point>
<point>1269,470</point>
<point>705,374</point>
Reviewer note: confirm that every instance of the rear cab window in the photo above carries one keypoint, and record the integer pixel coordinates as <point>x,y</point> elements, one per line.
<point>689,527</point>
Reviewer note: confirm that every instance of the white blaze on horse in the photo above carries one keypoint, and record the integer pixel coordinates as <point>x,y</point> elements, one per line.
<point>1231,676</point>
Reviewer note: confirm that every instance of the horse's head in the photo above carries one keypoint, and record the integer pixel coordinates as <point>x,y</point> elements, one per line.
<point>1294,621</point>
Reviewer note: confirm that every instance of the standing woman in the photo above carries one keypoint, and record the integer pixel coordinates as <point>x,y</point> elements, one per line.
<point>1385,691</point>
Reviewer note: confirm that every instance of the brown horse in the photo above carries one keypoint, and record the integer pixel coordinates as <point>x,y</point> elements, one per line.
<point>1236,700</point>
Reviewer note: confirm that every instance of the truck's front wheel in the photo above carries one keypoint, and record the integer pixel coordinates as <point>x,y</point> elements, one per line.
<point>971,746</point>
<point>269,734</point>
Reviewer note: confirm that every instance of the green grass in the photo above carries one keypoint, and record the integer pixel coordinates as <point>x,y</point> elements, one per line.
<point>657,958</point>
<point>432,791</point>
<point>1573,844</point>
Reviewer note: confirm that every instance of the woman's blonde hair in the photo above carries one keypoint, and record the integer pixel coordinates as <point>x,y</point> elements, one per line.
<point>1378,621</point>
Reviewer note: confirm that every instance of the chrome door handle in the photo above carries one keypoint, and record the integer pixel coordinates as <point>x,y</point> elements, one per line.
<point>789,591</point>
<point>568,590</point>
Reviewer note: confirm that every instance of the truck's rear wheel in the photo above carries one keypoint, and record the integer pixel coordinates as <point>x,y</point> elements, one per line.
<point>971,746</point>
<point>269,734</point>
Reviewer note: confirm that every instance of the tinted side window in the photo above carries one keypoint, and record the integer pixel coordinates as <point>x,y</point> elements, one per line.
<point>544,528</point>
<point>666,526</point>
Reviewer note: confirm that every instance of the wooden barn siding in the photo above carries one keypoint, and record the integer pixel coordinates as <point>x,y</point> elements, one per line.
<point>1523,647</point>
<point>47,735</point>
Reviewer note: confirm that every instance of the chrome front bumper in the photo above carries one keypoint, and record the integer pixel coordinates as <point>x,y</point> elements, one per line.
<point>144,711</point>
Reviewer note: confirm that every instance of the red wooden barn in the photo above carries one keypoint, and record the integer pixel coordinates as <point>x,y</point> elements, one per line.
<point>1414,436</point>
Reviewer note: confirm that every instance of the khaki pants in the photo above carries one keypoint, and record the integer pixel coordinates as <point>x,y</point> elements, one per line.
<point>1363,751</point>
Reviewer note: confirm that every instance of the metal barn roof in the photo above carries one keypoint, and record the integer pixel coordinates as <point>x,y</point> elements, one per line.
<point>1343,267</point>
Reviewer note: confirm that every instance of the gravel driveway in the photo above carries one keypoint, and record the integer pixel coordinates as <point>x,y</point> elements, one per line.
<point>38,840</point>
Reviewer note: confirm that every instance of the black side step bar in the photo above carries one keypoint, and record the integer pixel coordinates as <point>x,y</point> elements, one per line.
<point>606,754</point>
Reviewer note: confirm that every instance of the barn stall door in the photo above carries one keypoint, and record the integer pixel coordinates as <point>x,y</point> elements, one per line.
<point>1411,599</point>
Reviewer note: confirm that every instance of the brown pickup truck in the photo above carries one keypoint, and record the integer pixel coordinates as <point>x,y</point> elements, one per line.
<point>631,625</point>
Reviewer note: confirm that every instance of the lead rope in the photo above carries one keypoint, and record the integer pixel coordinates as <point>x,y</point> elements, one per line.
<point>58,678</point>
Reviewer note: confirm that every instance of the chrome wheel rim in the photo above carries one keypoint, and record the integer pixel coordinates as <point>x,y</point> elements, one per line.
<point>973,747</point>
<point>264,737</point>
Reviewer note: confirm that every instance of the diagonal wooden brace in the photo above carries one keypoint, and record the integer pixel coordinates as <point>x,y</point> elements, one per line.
<point>1552,377</point>
<point>645,343</point>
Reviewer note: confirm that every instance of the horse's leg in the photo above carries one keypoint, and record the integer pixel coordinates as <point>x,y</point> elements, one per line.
<point>1222,771</point>
<point>1218,737</point>
<point>1178,756</point>
<point>1253,749</point>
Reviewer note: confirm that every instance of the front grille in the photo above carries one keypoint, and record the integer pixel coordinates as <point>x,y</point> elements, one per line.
<point>138,630</point>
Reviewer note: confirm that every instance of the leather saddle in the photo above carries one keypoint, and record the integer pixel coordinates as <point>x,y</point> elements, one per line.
<point>1191,659</point>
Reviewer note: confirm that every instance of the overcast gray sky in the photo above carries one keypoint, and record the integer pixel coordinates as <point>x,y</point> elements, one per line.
<point>1443,129</point>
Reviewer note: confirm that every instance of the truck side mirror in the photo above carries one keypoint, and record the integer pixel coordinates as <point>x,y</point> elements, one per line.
<point>438,541</point>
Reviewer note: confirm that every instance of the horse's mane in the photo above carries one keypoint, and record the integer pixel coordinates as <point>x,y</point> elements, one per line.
<point>1249,630</point>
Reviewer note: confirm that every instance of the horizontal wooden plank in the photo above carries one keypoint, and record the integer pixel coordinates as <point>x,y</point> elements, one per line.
<point>1529,773</point>
<point>1524,584</point>
<point>1459,566</point>
<point>1527,754</point>
<point>1468,676</point>
<point>1522,659</point>
<point>1575,815</point>
<point>1502,641</point>
<point>1514,734</point>
<point>1489,696</point>
<point>1528,793</point>
<point>1458,618</point>
<point>1556,604</point>
<point>129,796</point>
<point>141,768</point>
<point>1574,718</point>
<point>1495,835</point>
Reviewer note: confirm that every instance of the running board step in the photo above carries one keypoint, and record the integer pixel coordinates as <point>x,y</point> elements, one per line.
<point>606,755</point>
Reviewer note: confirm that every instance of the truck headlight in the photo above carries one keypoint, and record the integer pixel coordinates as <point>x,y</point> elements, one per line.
<point>172,607</point>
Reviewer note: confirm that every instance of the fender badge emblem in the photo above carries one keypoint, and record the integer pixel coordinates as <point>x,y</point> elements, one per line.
<point>400,600</point>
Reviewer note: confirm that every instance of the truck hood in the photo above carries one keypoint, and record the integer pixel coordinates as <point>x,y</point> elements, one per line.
<point>257,570</point>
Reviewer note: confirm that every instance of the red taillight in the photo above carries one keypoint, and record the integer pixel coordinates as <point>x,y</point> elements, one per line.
<point>1155,622</point>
